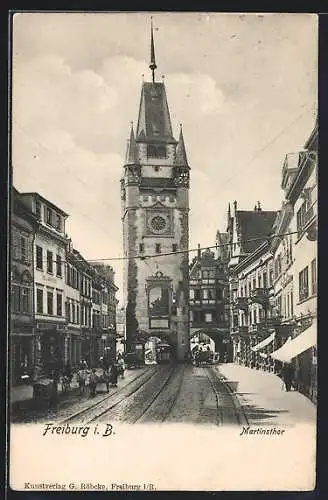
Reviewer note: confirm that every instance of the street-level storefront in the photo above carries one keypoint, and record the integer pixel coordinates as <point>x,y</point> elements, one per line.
<point>300,349</point>
<point>51,347</point>
<point>74,345</point>
<point>22,354</point>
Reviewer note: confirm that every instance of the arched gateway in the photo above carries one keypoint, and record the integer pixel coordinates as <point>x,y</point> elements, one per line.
<point>222,343</point>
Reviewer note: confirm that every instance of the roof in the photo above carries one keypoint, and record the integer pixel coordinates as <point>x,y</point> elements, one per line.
<point>154,123</point>
<point>52,205</point>
<point>181,155</point>
<point>254,224</point>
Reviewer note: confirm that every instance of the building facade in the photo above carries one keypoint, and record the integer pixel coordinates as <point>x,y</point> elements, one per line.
<point>295,258</point>
<point>250,282</point>
<point>73,307</point>
<point>49,250</point>
<point>104,310</point>
<point>209,302</point>
<point>155,218</point>
<point>22,326</point>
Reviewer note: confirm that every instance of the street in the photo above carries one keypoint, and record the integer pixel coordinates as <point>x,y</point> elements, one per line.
<point>181,393</point>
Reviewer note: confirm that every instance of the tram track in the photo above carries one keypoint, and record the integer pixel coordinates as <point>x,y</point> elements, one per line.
<point>159,410</point>
<point>229,410</point>
<point>83,414</point>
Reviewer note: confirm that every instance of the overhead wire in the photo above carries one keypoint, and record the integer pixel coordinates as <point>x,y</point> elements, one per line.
<point>165,254</point>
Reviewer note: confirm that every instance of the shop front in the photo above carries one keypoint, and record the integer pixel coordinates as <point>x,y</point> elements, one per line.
<point>21,355</point>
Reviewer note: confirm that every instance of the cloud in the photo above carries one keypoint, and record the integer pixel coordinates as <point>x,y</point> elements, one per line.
<point>76,87</point>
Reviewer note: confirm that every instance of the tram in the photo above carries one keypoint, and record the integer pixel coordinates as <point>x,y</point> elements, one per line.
<point>163,353</point>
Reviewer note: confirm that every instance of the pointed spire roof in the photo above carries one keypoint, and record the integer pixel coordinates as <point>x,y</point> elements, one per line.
<point>152,64</point>
<point>181,155</point>
<point>154,122</point>
<point>131,153</point>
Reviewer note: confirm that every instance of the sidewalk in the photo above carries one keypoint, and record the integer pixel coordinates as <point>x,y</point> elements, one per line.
<point>21,393</point>
<point>263,399</point>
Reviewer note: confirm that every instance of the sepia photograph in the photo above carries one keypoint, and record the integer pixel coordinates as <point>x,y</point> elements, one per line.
<point>163,251</point>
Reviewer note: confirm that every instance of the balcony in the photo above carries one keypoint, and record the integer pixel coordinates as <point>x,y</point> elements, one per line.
<point>260,296</point>
<point>258,329</point>
<point>241,331</point>
<point>241,303</point>
<point>202,325</point>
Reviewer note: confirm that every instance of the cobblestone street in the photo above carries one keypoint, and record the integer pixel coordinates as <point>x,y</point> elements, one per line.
<point>227,394</point>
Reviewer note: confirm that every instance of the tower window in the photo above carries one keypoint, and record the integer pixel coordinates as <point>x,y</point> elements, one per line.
<point>158,248</point>
<point>156,151</point>
<point>174,247</point>
<point>141,247</point>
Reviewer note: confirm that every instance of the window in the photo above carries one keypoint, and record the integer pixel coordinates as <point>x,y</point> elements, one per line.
<point>304,284</point>
<point>49,216</point>
<point>141,247</point>
<point>50,303</point>
<point>205,274</point>
<point>264,280</point>
<point>58,223</point>
<point>158,248</point>
<point>156,151</point>
<point>15,301</point>
<point>68,312</point>
<point>314,276</point>
<point>39,301</point>
<point>59,304</point>
<point>39,257</point>
<point>260,281</point>
<point>300,217</point>
<point>205,294</point>
<point>191,294</point>
<point>58,265</point>
<point>278,266</point>
<point>208,317</point>
<point>77,313</point>
<point>49,262</point>
<point>25,300</point>
<point>197,294</point>
<point>74,319</point>
<point>174,247</point>
<point>38,208</point>
<point>23,245</point>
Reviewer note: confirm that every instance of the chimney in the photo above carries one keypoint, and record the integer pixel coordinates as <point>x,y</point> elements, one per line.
<point>198,251</point>
<point>259,209</point>
<point>235,207</point>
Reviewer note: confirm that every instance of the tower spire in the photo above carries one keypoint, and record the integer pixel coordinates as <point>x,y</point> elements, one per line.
<point>152,64</point>
<point>131,153</point>
<point>181,155</point>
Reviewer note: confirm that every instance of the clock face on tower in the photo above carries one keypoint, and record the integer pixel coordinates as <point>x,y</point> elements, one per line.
<point>158,223</point>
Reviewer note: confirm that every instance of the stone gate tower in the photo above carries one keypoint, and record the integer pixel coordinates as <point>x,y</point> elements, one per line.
<point>155,212</point>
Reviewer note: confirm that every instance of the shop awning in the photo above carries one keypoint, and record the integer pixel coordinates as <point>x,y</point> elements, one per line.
<point>294,347</point>
<point>264,342</point>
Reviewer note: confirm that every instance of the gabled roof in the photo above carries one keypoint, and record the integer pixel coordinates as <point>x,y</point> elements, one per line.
<point>254,224</point>
<point>154,123</point>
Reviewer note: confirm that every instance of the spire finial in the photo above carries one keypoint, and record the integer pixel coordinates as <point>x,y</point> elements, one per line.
<point>152,64</point>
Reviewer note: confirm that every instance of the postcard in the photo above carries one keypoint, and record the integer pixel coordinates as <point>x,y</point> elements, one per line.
<point>163,251</point>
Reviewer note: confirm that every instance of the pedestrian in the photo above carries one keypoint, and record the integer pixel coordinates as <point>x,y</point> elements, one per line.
<point>82,376</point>
<point>121,366</point>
<point>114,375</point>
<point>287,375</point>
<point>93,379</point>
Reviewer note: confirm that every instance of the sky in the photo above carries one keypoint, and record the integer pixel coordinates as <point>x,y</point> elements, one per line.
<point>244,86</point>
